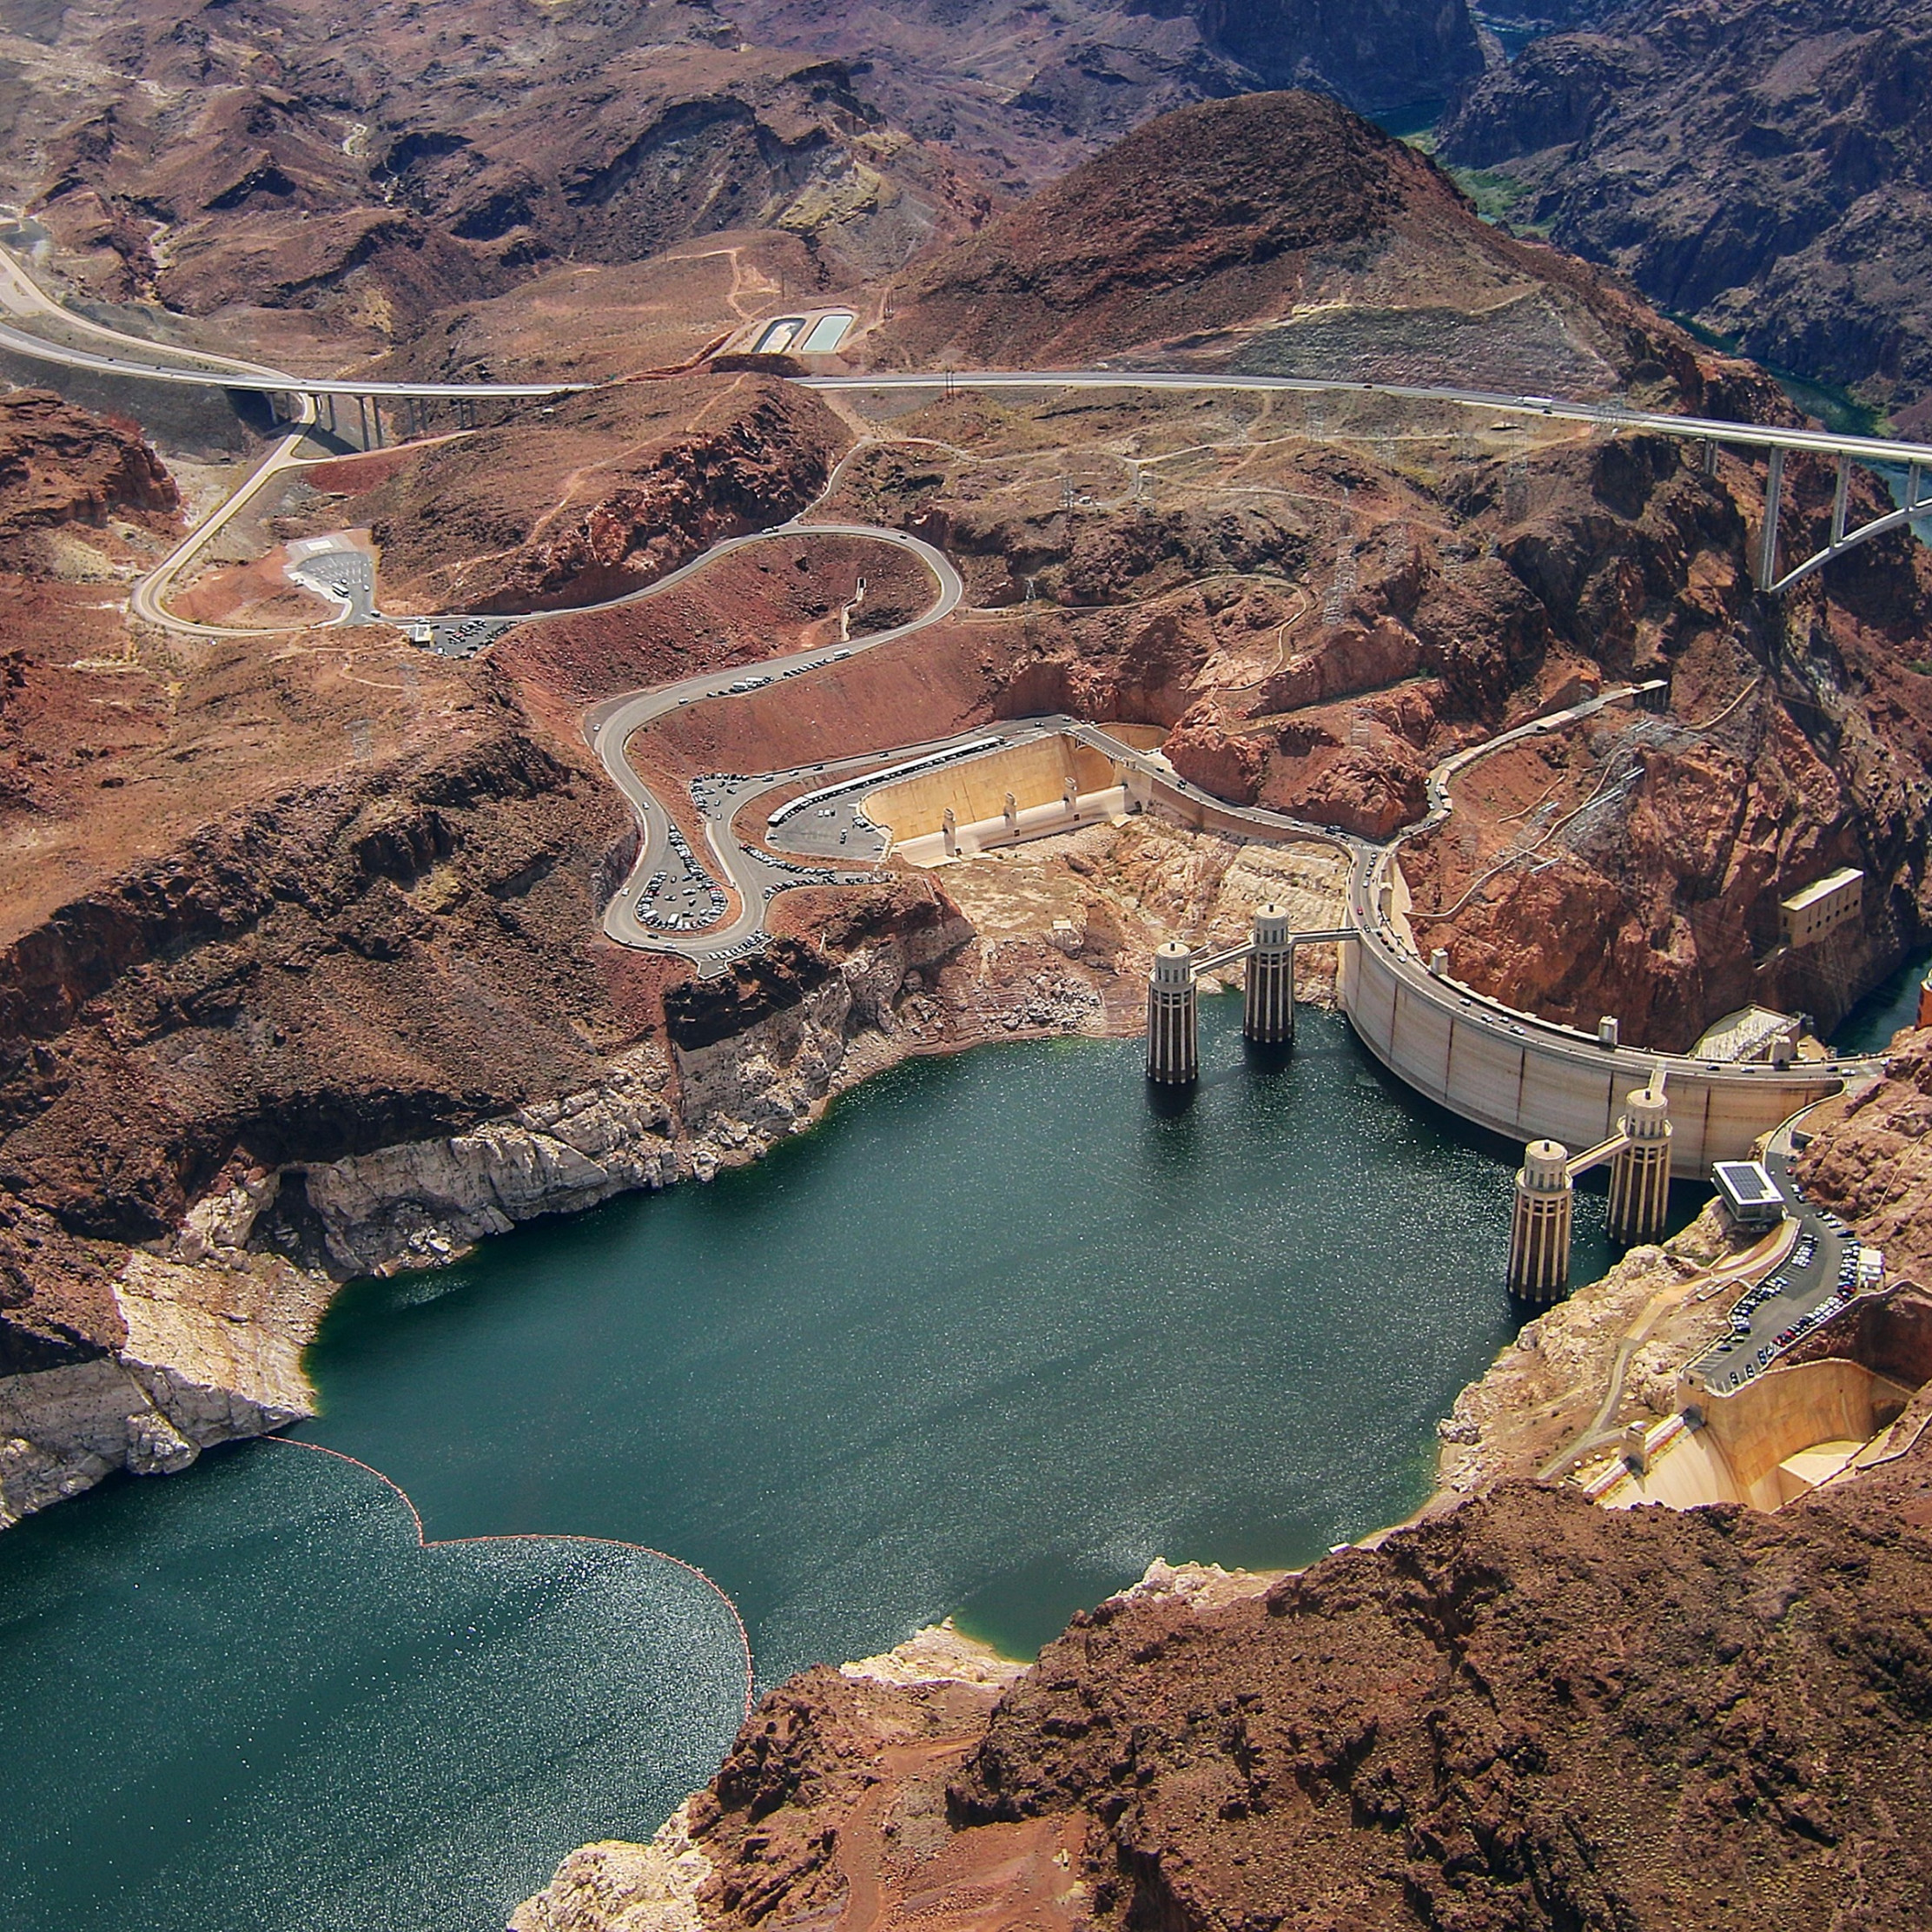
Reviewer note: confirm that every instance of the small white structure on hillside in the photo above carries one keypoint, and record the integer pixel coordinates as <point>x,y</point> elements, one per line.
<point>1818,911</point>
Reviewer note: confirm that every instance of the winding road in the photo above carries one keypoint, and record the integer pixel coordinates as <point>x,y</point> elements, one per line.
<point>754,877</point>
<point>610,727</point>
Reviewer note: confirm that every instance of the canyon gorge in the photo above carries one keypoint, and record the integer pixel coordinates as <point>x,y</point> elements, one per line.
<point>303,973</point>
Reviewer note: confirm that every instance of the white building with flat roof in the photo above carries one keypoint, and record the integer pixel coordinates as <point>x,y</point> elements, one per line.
<point>1817,912</point>
<point>1750,1196</point>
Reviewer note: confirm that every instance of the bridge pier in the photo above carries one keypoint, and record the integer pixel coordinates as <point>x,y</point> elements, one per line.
<point>1540,1225</point>
<point>1173,1017</point>
<point>1767,538</point>
<point>1268,1004</point>
<point>1640,1171</point>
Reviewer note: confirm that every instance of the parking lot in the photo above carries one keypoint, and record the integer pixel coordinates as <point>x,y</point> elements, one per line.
<point>1817,1278</point>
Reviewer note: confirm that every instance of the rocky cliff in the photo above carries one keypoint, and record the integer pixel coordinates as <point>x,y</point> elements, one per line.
<point>1873,1165</point>
<point>1761,168</point>
<point>1025,95</point>
<point>61,466</point>
<point>1636,868</point>
<point>1527,1713</point>
<point>606,493</point>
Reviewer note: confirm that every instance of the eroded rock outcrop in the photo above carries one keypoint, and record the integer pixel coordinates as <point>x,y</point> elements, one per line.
<point>1527,1713</point>
<point>607,492</point>
<point>1755,165</point>
<point>59,465</point>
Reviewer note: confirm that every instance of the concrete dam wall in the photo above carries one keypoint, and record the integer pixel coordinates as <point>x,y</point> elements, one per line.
<point>1530,1079</point>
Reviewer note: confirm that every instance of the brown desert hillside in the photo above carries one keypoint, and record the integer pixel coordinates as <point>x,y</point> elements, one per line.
<point>608,490</point>
<point>1527,1716</point>
<point>1278,234</point>
<point>59,465</point>
<point>379,160</point>
<point>1026,92</point>
<point>1761,167</point>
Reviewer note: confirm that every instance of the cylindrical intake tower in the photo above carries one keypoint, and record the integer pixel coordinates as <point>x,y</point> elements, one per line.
<point>1174,1047</point>
<point>1267,1008</point>
<point>1539,1228</point>
<point>1640,1174</point>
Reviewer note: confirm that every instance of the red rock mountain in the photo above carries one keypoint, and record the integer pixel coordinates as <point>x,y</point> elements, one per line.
<point>1277,233</point>
<point>1529,1715</point>
<point>1762,166</point>
<point>59,465</point>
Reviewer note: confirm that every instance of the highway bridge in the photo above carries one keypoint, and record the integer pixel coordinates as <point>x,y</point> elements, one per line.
<point>1904,464</point>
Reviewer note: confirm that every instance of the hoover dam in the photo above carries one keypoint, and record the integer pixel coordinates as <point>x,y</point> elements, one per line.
<point>899,991</point>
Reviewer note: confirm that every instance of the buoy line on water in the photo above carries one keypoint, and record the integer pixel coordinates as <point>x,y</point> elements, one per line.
<point>427,1542</point>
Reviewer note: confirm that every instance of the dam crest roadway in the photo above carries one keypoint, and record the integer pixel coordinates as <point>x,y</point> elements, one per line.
<point>1505,1070</point>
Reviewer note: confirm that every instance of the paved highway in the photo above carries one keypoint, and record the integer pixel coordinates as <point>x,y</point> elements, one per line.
<point>611,726</point>
<point>240,375</point>
<point>149,599</point>
<point>1823,442</point>
<point>262,381</point>
<point>20,294</point>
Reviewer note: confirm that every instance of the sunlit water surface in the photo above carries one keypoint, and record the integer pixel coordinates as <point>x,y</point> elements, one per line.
<point>986,1342</point>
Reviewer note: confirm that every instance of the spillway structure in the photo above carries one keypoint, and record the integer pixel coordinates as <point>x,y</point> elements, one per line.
<point>1542,1220</point>
<point>1268,1002</point>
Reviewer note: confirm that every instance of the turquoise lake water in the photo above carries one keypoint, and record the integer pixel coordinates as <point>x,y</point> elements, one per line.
<point>1894,1002</point>
<point>986,1342</point>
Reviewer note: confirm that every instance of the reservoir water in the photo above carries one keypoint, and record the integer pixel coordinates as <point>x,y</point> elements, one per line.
<point>987,1341</point>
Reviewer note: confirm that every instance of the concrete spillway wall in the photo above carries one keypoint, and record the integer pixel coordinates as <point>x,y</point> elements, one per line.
<point>1529,1080</point>
<point>1771,1442</point>
<point>1035,772</point>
